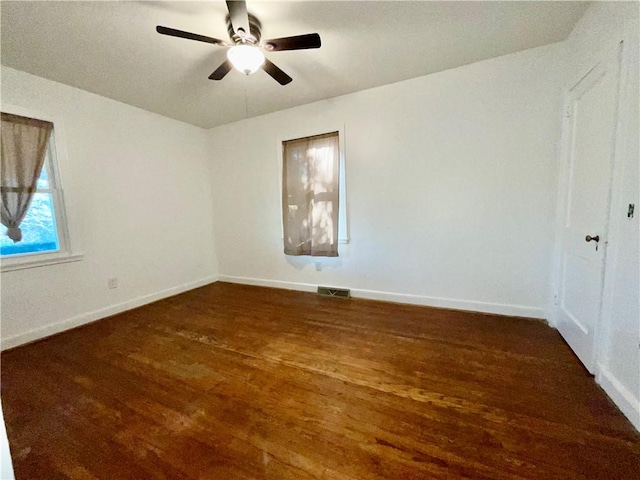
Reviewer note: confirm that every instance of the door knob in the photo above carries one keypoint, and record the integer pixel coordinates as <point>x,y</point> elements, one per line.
<point>589,238</point>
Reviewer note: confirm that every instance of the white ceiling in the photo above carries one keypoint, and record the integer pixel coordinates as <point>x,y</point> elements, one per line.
<point>112,49</point>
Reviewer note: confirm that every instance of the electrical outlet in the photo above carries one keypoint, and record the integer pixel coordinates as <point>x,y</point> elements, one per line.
<point>112,282</point>
<point>318,266</point>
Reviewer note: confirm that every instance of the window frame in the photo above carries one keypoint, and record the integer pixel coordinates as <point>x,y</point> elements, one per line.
<point>55,150</point>
<point>343,216</point>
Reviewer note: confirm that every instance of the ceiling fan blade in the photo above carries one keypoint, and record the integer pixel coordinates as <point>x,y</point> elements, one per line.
<point>220,72</point>
<point>277,74</point>
<point>299,42</point>
<point>239,17</point>
<point>188,35</point>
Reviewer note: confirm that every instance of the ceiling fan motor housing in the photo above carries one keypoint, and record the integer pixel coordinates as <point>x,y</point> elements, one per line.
<point>252,37</point>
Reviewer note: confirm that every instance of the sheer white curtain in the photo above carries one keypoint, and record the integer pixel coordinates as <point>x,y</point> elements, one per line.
<point>310,195</point>
<point>24,146</point>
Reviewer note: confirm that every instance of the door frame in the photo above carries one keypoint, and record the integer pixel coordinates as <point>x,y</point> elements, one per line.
<point>605,56</point>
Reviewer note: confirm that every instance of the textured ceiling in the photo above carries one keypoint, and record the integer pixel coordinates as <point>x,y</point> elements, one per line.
<point>112,49</point>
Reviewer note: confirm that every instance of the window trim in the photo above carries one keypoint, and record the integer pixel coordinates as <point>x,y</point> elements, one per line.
<point>343,211</point>
<point>57,153</point>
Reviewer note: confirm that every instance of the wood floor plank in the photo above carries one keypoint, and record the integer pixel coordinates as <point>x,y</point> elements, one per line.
<point>239,382</point>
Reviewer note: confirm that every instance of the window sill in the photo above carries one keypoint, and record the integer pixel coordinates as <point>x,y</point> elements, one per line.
<point>23,263</point>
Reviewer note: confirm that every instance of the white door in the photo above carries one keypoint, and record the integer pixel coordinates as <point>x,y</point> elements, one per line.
<point>588,147</point>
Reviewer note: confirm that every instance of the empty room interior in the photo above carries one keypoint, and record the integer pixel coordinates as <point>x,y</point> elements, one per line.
<point>347,240</point>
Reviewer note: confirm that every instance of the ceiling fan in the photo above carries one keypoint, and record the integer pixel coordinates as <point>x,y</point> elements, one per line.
<point>246,53</point>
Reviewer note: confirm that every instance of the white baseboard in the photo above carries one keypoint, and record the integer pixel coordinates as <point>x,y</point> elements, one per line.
<point>626,401</point>
<point>494,308</point>
<point>259,282</point>
<point>89,317</point>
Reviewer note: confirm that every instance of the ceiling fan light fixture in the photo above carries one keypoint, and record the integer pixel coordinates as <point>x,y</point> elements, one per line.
<point>246,58</point>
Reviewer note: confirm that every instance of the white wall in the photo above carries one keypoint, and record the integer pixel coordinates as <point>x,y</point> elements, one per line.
<point>604,25</point>
<point>139,208</point>
<point>451,188</point>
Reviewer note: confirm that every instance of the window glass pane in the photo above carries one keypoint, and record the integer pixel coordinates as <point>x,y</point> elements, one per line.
<point>43,180</point>
<point>39,232</point>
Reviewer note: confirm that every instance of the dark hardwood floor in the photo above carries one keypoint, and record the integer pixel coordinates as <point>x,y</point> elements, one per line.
<point>236,382</point>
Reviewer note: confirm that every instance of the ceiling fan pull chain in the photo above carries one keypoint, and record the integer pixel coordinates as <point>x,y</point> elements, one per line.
<point>246,99</point>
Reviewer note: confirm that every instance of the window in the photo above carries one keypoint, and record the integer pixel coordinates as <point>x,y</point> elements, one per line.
<point>42,237</point>
<point>311,195</point>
